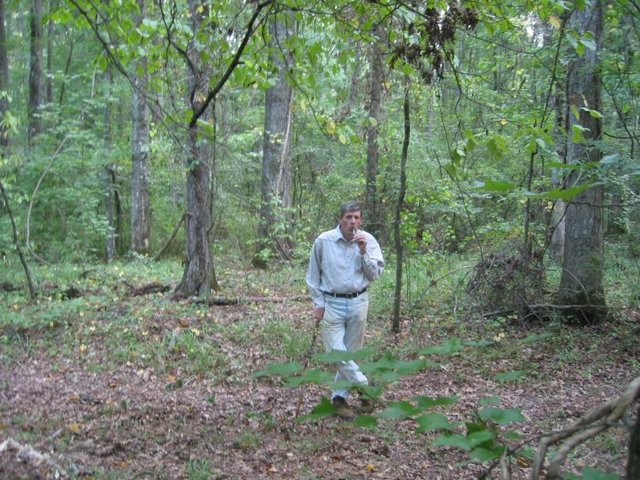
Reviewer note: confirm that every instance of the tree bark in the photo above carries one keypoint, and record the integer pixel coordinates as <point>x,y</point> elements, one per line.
<point>48,87</point>
<point>36,72</point>
<point>373,132</point>
<point>398,220</point>
<point>140,204</point>
<point>581,283</point>
<point>276,185</point>
<point>108,175</point>
<point>16,243</point>
<point>633,462</point>
<point>198,277</point>
<point>198,269</point>
<point>4,79</point>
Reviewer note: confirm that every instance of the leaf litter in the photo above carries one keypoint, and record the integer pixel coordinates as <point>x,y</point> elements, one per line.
<point>68,412</point>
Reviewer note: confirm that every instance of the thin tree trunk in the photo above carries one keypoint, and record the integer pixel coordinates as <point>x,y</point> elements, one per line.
<point>373,132</point>
<point>276,161</point>
<point>16,243</point>
<point>108,175</point>
<point>398,220</point>
<point>581,283</point>
<point>50,41</point>
<point>4,79</point>
<point>140,203</point>
<point>557,220</point>
<point>36,72</point>
<point>66,71</point>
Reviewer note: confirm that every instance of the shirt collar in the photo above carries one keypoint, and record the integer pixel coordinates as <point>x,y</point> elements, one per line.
<point>338,235</point>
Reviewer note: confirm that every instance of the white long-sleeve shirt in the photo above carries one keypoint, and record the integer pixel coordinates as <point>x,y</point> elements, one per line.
<point>336,265</point>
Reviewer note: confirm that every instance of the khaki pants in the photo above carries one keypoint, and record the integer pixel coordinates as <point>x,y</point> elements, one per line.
<point>343,327</point>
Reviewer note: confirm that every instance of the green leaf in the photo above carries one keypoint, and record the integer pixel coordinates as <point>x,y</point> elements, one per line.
<point>323,409</point>
<point>568,166</point>
<point>497,146</point>
<point>451,169</point>
<point>369,391</point>
<point>281,369</point>
<point>588,42</point>
<point>400,409</point>
<point>566,194</point>
<point>537,337</point>
<point>365,421</point>
<point>482,437</point>
<point>452,440</point>
<point>434,421</point>
<point>592,113</point>
<point>485,454</point>
<point>408,367</point>
<point>315,376</point>
<point>479,343</point>
<point>336,356</point>
<point>501,416</point>
<point>430,402</point>
<point>451,346</point>
<point>496,186</point>
<point>589,473</point>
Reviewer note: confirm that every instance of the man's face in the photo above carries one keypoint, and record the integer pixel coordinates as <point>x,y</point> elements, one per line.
<point>350,222</point>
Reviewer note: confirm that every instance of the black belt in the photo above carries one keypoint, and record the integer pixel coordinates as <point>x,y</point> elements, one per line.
<point>346,295</point>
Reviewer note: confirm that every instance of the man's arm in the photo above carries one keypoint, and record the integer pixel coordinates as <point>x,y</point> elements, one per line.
<point>373,262</point>
<point>314,274</point>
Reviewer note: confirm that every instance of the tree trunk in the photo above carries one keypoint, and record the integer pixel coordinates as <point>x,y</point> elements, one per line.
<point>557,220</point>
<point>140,205</point>
<point>108,175</point>
<point>48,88</point>
<point>398,220</point>
<point>373,132</point>
<point>633,462</point>
<point>4,79</point>
<point>581,284</point>
<point>276,158</point>
<point>36,72</point>
<point>197,277</point>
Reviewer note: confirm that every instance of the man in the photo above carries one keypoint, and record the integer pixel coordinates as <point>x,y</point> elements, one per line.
<point>343,262</point>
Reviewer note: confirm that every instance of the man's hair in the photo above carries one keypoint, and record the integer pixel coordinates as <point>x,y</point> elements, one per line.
<point>350,206</point>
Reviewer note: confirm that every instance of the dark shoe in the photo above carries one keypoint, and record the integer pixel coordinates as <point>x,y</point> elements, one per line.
<point>342,407</point>
<point>366,405</point>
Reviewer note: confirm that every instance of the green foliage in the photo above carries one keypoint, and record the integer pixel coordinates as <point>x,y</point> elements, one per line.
<point>199,469</point>
<point>591,474</point>
<point>483,431</point>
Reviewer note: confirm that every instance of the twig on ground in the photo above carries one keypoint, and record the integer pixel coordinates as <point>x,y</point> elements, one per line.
<point>588,426</point>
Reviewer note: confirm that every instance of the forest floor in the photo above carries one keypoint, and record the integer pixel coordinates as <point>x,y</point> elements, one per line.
<point>115,384</point>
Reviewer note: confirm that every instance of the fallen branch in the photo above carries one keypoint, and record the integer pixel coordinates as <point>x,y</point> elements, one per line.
<point>154,287</point>
<point>588,426</point>
<point>27,454</point>
<point>243,300</point>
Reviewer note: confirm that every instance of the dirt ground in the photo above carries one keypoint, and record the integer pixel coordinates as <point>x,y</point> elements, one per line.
<point>60,417</point>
